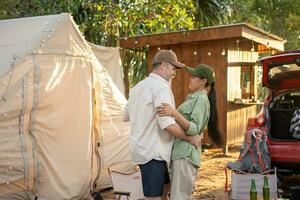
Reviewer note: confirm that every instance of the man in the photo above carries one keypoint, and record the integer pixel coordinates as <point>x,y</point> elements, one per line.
<point>151,137</point>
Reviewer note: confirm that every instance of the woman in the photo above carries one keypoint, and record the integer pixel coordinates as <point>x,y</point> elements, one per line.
<point>197,111</point>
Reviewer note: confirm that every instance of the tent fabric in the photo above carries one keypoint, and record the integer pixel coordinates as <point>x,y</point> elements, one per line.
<point>114,148</point>
<point>109,57</point>
<point>59,112</point>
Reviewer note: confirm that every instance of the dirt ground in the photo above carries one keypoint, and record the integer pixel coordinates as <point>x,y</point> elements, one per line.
<point>210,181</point>
<point>211,176</point>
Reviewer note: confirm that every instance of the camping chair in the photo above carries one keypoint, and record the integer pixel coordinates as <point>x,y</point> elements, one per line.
<point>127,186</point>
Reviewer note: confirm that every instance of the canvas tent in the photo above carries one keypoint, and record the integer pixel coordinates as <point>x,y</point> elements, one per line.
<point>110,58</point>
<point>60,112</point>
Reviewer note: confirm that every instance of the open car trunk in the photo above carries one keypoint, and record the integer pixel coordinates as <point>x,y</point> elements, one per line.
<point>281,72</point>
<point>281,112</point>
<point>283,145</point>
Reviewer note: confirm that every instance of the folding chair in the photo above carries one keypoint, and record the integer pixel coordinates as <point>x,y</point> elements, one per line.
<point>127,186</point>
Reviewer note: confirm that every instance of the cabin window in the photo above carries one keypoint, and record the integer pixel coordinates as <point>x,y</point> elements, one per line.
<point>247,82</point>
<point>244,84</point>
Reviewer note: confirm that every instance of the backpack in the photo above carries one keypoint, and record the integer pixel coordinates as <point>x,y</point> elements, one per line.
<point>254,155</point>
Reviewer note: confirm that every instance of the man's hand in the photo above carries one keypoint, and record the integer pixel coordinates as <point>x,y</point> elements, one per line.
<point>195,140</point>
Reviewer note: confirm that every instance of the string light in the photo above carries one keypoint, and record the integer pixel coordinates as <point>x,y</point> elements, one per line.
<point>209,53</point>
<point>158,48</point>
<point>223,52</point>
<point>195,53</point>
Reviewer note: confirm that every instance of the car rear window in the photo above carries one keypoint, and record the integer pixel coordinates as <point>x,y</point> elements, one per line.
<point>284,70</point>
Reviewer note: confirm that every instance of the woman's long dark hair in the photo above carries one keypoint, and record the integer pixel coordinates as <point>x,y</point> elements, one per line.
<point>213,126</point>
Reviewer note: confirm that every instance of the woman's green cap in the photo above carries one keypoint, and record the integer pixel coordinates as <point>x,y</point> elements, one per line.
<point>203,71</point>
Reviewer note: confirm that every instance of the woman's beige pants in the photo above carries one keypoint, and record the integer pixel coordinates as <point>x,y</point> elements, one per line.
<point>183,175</point>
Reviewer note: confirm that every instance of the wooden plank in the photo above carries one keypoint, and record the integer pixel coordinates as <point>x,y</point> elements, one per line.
<point>237,121</point>
<point>245,31</point>
<point>218,33</point>
<point>261,38</point>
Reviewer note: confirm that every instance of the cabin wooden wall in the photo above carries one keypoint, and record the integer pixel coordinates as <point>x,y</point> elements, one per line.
<point>238,115</point>
<point>237,118</point>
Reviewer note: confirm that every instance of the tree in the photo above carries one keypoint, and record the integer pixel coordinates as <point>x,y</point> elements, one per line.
<point>103,22</point>
<point>211,12</point>
<point>280,17</point>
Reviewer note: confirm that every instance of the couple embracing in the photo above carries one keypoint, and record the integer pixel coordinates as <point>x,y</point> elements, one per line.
<point>163,136</point>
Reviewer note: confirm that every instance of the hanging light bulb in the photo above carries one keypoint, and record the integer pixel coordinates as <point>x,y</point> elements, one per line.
<point>252,49</point>
<point>209,53</point>
<point>223,52</point>
<point>158,48</point>
<point>195,53</point>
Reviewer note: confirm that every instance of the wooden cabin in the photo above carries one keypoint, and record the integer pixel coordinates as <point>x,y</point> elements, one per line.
<point>232,51</point>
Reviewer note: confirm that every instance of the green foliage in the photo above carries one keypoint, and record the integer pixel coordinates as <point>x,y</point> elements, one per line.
<point>279,17</point>
<point>211,12</point>
<point>103,22</point>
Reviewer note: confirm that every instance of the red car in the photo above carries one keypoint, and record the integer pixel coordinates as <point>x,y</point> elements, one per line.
<point>281,74</point>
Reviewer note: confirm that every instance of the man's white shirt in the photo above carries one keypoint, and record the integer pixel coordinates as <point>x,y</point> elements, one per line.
<point>147,138</point>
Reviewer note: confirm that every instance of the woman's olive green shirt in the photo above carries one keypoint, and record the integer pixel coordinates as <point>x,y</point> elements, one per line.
<point>196,109</point>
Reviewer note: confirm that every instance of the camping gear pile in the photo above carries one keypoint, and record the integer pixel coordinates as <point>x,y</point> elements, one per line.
<point>253,165</point>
